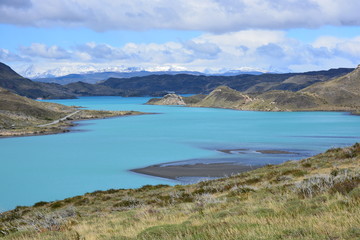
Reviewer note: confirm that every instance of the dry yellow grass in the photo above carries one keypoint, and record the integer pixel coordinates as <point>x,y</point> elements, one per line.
<point>315,198</point>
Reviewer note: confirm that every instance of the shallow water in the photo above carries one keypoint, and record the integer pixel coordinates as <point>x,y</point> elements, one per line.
<point>98,154</point>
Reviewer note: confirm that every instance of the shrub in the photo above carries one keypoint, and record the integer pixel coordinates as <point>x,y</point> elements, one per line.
<point>253,180</point>
<point>345,187</point>
<point>312,186</point>
<point>354,232</point>
<point>127,203</point>
<point>56,205</point>
<point>82,202</point>
<point>306,165</point>
<point>355,193</point>
<point>40,204</point>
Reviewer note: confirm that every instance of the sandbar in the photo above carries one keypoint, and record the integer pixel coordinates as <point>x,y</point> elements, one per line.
<point>194,170</point>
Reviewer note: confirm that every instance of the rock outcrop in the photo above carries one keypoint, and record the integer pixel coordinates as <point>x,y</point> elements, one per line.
<point>168,99</point>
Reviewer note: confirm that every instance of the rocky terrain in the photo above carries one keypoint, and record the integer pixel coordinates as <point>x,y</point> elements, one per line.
<point>168,99</point>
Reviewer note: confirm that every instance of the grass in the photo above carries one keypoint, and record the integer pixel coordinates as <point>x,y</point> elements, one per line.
<point>314,198</point>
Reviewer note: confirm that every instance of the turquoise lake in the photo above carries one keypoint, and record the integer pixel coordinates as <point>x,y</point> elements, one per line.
<point>98,154</point>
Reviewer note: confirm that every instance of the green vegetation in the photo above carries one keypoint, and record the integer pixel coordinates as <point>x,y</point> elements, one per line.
<point>314,198</point>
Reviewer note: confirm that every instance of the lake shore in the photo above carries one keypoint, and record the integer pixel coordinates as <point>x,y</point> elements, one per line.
<point>64,126</point>
<point>213,170</point>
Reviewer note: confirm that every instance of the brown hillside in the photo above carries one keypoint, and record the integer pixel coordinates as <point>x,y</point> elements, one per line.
<point>343,91</point>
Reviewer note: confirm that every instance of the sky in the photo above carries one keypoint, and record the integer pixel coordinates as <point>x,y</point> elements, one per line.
<point>39,36</point>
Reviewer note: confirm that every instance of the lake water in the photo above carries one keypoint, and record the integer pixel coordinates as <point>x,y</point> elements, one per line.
<point>98,154</point>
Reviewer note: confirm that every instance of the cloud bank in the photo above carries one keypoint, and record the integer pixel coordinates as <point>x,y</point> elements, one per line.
<point>204,15</point>
<point>261,49</point>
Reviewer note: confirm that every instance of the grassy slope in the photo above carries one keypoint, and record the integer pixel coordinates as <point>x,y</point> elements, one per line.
<point>339,94</point>
<point>343,91</point>
<point>20,111</point>
<point>224,97</point>
<point>315,198</point>
<point>21,115</point>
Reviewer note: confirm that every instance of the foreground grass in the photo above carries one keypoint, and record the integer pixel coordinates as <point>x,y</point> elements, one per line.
<point>315,198</point>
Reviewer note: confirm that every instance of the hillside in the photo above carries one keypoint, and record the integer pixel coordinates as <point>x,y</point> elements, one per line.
<point>12,81</point>
<point>86,89</point>
<point>168,99</point>
<point>159,85</point>
<point>225,97</point>
<point>17,111</point>
<point>96,77</point>
<point>304,199</point>
<point>338,94</point>
<point>342,91</point>
<point>23,116</point>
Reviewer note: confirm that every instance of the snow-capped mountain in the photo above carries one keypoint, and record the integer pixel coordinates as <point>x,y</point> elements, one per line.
<point>233,72</point>
<point>34,72</point>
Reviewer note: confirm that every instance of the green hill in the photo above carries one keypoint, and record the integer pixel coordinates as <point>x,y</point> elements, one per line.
<point>304,199</point>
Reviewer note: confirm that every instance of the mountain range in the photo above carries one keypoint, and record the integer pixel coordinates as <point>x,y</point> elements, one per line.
<point>93,74</point>
<point>334,86</point>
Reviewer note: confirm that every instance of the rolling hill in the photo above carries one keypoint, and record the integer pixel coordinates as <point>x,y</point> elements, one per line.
<point>277,100</point>
<point>338,94</point>
<point>342,91</point>
<point>159,85</point>
<point>19,112</point>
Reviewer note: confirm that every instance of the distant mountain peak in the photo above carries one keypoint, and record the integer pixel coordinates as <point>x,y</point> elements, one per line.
<point>33,72</point>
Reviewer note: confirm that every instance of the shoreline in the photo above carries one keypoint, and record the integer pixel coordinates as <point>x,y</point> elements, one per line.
<point>201,170</point>
<point>66,125</point>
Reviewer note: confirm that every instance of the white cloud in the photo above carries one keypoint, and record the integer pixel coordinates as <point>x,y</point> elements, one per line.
<point>7,56</point>
<point>268,50</point>
<point>102,52</point>
<point>203,15</point>
<point>340,46</point>
<point>43,51</point>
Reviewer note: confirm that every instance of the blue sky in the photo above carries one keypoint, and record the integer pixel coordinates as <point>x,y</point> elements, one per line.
<point>204,35</point>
